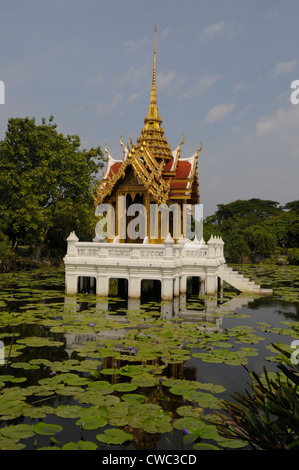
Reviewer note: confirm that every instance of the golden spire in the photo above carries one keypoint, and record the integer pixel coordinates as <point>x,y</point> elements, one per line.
<point>154,89</point>
<point>152,134</point>
<point>153,108</point>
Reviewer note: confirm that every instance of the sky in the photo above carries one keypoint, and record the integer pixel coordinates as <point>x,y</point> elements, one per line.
<point>224,74</point>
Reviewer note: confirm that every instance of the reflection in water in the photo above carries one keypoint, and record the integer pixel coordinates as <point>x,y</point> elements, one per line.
<point>205,310</point>
<point>35,307</point>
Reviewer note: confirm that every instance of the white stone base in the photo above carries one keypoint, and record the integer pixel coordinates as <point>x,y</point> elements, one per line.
<point>169,263</point>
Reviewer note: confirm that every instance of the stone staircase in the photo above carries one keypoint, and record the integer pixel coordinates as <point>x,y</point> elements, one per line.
<point>240,282</point>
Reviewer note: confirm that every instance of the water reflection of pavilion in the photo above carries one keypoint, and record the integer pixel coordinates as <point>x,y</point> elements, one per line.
<point>207,312</point>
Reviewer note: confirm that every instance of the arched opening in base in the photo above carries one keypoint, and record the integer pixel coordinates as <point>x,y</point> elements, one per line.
<point>151,289</point>
<point>118,287</point>
<point>86,285</point>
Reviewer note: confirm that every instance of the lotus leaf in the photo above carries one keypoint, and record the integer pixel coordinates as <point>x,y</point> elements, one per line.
<point>24,365</point>
<point>134,370</point>
<point>124,387</point>
<point>209,432</point>
<point>189,422</point>
<point>10,444</point>
<point>134,398</point>
<point>92,422</point>
<point>114,436</point>
<point>140,412</point>
<point>6,378</point>
<point>37,412</point>
<point>11,409</point>
<point>68,390</point>
<point>93,411</point>
<point>189,411</point>
<point>47,429</point>
<point>110,371</point>
<point>205,446</point>
<point>231,443</point>
<point>37,342</point>
<point>157,424</point>
<point>68,411</point>
<point>18,431</point>
<point>101,386</point>
<point>144,381</point>
<point>80,445</point>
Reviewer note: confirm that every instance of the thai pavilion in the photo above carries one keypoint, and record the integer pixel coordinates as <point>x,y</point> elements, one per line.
<point>163,188</point>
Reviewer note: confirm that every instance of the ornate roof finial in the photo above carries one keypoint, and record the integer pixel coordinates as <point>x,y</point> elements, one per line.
<point>154,89</point>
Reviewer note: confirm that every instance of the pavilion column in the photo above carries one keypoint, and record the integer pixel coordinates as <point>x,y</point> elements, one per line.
<point>71,280</point>
<point>167,287</point>
<point>121,218</point>
<point>202,286</point>
<point>147,204</point>
<point>134,286</point>
<point>176,287</point>
<point>102,288</point>
<point>183,285</point>
<point>211,281</point>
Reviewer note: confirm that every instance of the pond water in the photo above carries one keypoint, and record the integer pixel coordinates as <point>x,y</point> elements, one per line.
<point>89,373</point>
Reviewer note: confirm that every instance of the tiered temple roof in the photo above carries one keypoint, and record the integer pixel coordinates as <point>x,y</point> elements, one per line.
<point>164,173</point>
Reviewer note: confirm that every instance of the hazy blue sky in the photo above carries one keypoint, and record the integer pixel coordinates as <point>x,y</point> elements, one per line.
<point>224,70</point>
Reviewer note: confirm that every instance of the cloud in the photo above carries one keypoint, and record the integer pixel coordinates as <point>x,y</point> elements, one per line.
<point>104,108</point>
<point>285,67</point>
<point>95,80</point>
<point>206,82</point>
<point>283,120</point>
<point>134,96</point>
<point>239,87</point>
<point>235,129</point>
<point>133,76</point>
<point>226,30</point>
<point>218,112</point>
<point>202,85</point>
<point>166,31</point>
<point>164,79</point>
<point>135,44</point>
<point>273,15</point>
<point>210,31</point>
<point>244,111</point>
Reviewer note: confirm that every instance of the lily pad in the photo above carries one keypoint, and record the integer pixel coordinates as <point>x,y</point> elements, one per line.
<point>189,422</point>
<point>39,341</point>
<point>205,446</point>
<point>156,424</point>
<point>134,398</point>
<point>114,436</point>
<point>47,429</point>
<point>124,387</point>
<point>68,411</point>
<point>110,371</point>
<point>101,386</point>
<point>144,381</point>
<point>92,422</point>
<point>17,432</point>
<point>80,445</point>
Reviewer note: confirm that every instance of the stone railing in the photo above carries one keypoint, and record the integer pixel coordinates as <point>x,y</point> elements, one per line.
<point>183,249</point>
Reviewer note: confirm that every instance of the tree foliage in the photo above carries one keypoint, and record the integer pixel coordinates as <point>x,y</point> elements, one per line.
<point>256,229</point>
<point>46,183</point>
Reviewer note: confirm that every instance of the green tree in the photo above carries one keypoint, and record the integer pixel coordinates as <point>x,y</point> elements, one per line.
<point>44,174</point>
<point>260,240</point>
<point>236,248</point>
<point>256,226</point>
<point>292,206</point>
<point>285,227</point>
<point>252,209</point>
